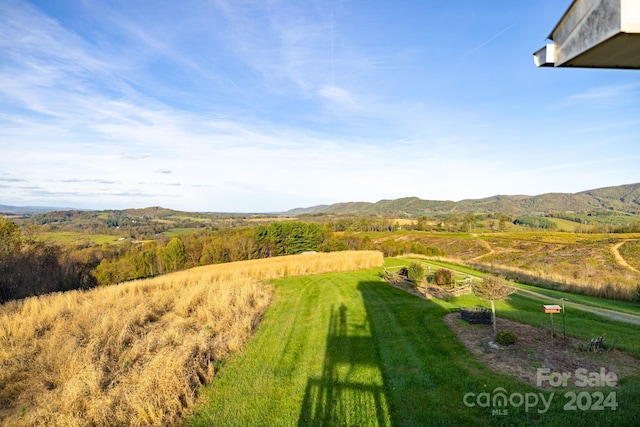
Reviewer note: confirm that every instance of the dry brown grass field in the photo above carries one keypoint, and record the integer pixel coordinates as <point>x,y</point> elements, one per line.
<point>136,353</point>
<point>576,262</point>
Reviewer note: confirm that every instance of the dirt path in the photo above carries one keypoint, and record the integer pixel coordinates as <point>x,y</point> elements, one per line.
<point>487,246</point>
<point>604,312</point>
<point>619,259</point>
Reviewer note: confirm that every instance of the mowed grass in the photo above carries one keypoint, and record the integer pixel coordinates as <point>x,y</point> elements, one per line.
<point>348,349</point>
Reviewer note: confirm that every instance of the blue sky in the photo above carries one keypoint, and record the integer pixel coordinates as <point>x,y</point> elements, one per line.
<point>257,106</point>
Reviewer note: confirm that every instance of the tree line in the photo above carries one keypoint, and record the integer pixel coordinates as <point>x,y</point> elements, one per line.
<point>31,267</point>
<point>214,247</point>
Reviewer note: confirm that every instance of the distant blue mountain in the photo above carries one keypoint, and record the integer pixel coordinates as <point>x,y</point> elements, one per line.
<point>30,210</point>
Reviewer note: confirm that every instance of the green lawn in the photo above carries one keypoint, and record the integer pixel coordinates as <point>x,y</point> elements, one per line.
<point>180,231</point>
<point>348,349</point>
<point>74,237</point>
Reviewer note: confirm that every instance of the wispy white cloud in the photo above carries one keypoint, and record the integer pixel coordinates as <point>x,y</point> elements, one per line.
<point>608,95</point>
<point>92,181</point>
<point>339,96</point>
<point>231,105</point>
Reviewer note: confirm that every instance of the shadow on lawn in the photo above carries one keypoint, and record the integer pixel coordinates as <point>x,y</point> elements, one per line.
<point>350,390</point>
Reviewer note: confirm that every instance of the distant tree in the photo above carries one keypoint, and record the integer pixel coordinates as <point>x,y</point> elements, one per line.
<point>29,267</point>
<point>422,224</point>
<point>502,225</point>
<point>468,222</point>
<point>10,238</point>
<point>288,237</point>
<point>492,288</point>
<point>536,222</point>
<point>175,254</point>
<point>420,249</point>
<point>105,273</point>
<point>389,248</point>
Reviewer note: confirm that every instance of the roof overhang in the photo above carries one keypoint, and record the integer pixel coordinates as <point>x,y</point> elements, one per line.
<point>595,34</point>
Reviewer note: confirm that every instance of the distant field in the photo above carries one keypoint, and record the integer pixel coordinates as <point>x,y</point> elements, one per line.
<point>271,219</point>
<point>73,237</point>
<point>180,231</point>
<point>561,237</point>
<point>566,225</point>
<point>188,218</point>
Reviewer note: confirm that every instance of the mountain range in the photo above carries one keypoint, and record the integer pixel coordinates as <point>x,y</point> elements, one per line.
<point>622,198</point>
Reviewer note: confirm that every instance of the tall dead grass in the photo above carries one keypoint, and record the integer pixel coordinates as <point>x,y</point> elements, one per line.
<point>136,353</point>
<point>611,287</point>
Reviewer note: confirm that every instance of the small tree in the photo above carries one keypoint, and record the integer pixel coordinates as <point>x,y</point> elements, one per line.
<point>492,288</point>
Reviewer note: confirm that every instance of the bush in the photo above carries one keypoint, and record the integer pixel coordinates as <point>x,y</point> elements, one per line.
<point>415,271</point>
<point>420,249</point>
<point>443,277</point>
<point>506,338</point>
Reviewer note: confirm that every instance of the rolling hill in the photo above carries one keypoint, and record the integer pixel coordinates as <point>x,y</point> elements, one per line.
<point>623,198</point>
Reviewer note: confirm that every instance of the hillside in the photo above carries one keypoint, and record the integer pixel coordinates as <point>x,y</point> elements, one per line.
<point>623,198</point>
<point>28,210</point>
<point>136,353</point>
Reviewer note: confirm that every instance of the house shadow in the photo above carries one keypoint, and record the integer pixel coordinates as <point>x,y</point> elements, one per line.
<point>350,389</point>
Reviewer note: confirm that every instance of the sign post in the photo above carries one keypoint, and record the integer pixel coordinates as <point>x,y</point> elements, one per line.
<point>551,309</point>
<point>564,320</point>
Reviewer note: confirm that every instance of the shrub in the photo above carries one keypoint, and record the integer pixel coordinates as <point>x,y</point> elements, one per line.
<point>443,277</point>
<point>506,338</point>
<point>420,249</point>
<point>415,271</point>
